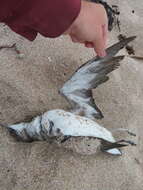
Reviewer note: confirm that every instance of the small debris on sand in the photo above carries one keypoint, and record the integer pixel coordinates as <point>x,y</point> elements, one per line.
<point>137,161</point>
<point>14,47</point>
<point>49,59</point>
<point>133,11</point>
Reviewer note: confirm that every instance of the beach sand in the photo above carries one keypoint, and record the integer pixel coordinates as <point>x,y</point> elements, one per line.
<point>29,87</point>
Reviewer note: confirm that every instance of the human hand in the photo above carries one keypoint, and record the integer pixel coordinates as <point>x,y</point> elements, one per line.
<point>90,27</point>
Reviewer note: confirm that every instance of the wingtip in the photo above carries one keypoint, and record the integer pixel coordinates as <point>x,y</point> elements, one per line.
<point>125,41</point>
<point>113,50</point>
<point>132,37</point>
<point>129,39</point>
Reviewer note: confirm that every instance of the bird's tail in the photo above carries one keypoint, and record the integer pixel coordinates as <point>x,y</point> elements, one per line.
<point>113,147</point>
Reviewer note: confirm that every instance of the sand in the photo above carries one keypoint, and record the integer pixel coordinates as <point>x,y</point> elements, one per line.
<point>29,87</point>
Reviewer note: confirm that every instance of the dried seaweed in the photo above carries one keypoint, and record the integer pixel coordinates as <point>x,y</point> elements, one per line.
<point>137,57</point>
<point>7,46</point>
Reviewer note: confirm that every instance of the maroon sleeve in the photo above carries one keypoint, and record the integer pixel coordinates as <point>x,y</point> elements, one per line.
<point>51,18</point>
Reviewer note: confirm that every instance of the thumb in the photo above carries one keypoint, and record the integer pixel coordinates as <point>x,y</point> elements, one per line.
<point>99,43</point>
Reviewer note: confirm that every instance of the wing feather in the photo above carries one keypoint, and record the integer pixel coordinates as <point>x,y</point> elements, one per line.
<point>78,89</point>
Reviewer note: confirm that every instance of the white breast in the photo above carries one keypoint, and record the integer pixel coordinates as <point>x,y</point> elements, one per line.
<point>73,125</point>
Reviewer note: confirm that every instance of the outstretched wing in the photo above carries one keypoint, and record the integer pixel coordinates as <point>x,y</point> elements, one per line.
<point>78,89</point>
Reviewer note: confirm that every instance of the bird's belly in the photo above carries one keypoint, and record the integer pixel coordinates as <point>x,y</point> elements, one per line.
<point>74,125</point>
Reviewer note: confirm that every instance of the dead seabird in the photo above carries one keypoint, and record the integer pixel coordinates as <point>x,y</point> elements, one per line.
<point>57,123</point>
<point>77,90</point>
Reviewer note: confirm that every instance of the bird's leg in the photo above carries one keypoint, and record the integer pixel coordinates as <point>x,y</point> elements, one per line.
<point>129,142</point>
<point>124,130</point>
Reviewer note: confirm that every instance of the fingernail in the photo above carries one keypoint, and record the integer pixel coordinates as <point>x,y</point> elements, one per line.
<point>102,54</point>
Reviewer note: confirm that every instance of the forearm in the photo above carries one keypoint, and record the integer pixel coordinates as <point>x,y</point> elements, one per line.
<point>49,18</point>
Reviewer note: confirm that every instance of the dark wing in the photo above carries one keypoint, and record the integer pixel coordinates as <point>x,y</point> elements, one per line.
<point>78,89</point>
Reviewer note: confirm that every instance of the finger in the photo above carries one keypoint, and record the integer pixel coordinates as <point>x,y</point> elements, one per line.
<point>99,43</point>
<point>76,40</point>
<point>105,34</point>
